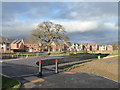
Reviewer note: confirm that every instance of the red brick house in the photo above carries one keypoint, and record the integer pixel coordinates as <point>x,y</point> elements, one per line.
<point>34,46</point>
<point>17,46</point>
<point>31,46</point>
<point>89,47</point>
<point>59,46</point>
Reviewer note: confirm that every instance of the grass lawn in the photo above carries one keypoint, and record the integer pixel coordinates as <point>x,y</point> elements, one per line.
<point>115,52</point>
<point>104,67</point>
<point>9,83</point>
<point>64,54</point>
<point>59,54</point>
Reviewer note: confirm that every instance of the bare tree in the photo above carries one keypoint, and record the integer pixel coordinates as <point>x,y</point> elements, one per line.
<point>48,32</point>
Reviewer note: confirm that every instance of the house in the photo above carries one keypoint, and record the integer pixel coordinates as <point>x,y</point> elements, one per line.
<point>93,47</point>
<point>56,46</point>
<point>75,47</point>
<point>109,48</point>
<point>31,46</point>
<point>17,46</point>
<point>5,44</point>
<point>66,45</point>
<point>102,47</point>
<point>59,46</point>
<point>89,47</point>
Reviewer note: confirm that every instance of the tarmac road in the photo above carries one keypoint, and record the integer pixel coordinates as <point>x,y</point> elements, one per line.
<point>28,61</point>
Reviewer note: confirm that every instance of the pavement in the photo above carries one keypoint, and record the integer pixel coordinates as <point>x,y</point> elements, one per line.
<point>66,80</point>
<point>27,75</point>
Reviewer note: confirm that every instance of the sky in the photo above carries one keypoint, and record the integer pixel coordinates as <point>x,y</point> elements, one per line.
<point>84,22</point>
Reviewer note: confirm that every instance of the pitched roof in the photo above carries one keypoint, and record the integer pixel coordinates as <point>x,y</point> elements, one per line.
<point>16,41</point>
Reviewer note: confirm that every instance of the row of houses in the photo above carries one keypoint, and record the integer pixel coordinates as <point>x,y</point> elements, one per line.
<point>24,45</point>
<point>90,47</point>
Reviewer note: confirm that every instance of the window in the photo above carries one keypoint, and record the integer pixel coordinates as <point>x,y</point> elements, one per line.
<point>7,48</point>
<point>2,48</point>
<point>97,47</point>
<point>90,48</point>
<point>83,47</point>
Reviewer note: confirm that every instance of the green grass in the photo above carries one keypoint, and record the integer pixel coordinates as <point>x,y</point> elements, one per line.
<point>115,52</point>
<point>64,54</point>
<point>84,56</point>
<point>9,83</point>
<point>100,67</point>
<point>59,54</point>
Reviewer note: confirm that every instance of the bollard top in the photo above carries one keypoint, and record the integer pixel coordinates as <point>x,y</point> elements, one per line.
<point>56,60</point>
<point>40,61</point>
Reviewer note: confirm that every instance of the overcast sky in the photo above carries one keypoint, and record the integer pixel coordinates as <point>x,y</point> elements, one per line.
<point>93,22</point>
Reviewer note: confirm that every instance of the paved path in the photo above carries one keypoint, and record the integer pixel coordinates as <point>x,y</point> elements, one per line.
<point>67,80</point>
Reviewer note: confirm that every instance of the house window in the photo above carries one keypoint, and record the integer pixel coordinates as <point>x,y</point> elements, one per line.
<point>2,48</point>
<point>83,47</point>
<point>97,47</point>
<point>90,48</point>
<point>7,48</point>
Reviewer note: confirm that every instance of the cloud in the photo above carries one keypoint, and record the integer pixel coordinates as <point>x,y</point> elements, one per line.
<point>87,31</point>
<point>110,26</point>
<point>89,11</point>
<point>84,26</point>
<point>87,22</point>
<point>17,29</point>
<point>79,26</point>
